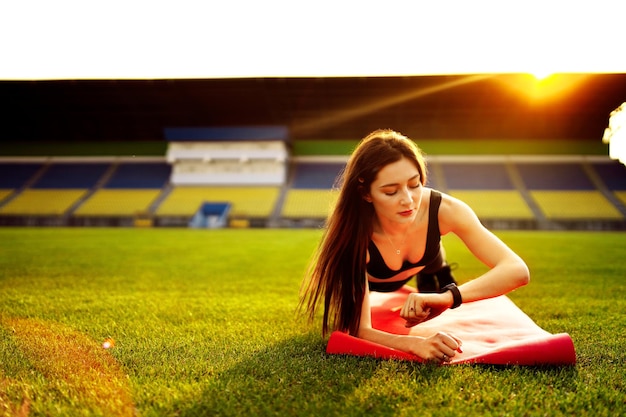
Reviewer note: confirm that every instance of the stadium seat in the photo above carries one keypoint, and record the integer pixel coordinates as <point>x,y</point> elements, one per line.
<point>476,176</point>
<point>487,188</point>
<point>14,175</point>
<point>246,201</point>
<point>577,205</point>
<point>612,174</point>
<point>4,194</point>
<point>505,204</point>
<point>316,176</point>
<point>123,202</point>
<point>314,204</point>
<point>42,202</point>
<point>130,190</point>
<point>311,194</point>
<point>128,175</point>
<point>71,176</point>
<point>554,176</point>
<point>60,186</point>
<point>621,195</point>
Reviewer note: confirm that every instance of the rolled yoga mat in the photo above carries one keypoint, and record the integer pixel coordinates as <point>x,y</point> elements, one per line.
<point>493,331</point>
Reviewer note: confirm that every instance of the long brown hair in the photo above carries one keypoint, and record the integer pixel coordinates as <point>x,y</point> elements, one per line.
<point>337,270</point>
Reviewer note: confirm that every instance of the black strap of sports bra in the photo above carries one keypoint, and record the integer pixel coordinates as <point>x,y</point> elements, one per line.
<point>433,213</point>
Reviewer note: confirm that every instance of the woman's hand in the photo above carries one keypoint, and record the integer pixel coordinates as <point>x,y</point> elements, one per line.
<point>440,347</point>
<point>420,307</point>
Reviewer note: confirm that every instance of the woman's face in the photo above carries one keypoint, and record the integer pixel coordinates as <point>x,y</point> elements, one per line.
<point>396,191</point>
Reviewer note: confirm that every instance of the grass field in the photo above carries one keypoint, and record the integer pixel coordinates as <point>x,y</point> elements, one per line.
<point>203,324</point>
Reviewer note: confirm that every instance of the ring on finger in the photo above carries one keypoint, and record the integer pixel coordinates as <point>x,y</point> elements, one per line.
<point>445,358</point>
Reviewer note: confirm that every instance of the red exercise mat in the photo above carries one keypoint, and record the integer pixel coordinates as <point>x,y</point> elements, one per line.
<point>494,331</point>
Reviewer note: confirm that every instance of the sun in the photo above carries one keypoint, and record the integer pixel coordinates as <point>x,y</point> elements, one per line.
<point>543,87</point>
<point>541,74</point>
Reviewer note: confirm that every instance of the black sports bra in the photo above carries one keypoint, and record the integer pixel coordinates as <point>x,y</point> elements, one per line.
<point>377,267</point>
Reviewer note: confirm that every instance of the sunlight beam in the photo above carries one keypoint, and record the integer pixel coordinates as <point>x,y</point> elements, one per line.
<point>339,116</point>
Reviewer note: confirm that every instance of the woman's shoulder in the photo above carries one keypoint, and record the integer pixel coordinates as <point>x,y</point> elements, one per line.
<point>454,213</point>
<point>447,200</point>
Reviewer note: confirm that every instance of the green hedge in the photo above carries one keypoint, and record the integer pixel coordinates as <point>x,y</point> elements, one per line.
<point>318,147</point>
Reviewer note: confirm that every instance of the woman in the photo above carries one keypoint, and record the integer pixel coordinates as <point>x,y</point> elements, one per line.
<point>385,229</point>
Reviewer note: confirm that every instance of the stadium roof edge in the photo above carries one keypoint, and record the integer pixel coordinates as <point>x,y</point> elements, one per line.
<point>471,158</point>
<point>323,158</point>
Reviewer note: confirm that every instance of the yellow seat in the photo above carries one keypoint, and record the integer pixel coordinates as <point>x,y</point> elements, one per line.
<point>308,203</point>
<point>245,201</point>
<point>42,202</point>
<point>575,205</point>
<point>4,193</point>
<point>621,195</point>
<point>501,204</point>
<point>124,202</point>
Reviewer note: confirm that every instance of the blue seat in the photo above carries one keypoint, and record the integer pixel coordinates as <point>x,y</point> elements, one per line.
<point>316,175</point>
<point>140,175</point>
<point>71,176</point>
<point>474,176</point>
<point>14,175</point>
<point>612,174</point>
<point>554,176</point>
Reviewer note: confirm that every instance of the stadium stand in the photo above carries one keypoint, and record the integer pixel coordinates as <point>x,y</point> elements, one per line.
<point>253,203</point>
<point>488,188</point>
<point>140,175</point>
<point>14,176</point>
<point>564,191</point>
<point>613,176</point>
<point>128,191</point>
<point>34,202</point>
<point>228,155</point>
<point>113,202</point>
<point>316,175</point>
<point>548,192</point>
<point>311,193</point>
<point>4,194</point>
<point>71,175</point>
<point>308,204</point>
<point>245,166</point>
<point>477,175</point>
<point>56,190</point>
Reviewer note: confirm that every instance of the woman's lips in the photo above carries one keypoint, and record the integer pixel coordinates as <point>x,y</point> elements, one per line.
<point>406,213</point>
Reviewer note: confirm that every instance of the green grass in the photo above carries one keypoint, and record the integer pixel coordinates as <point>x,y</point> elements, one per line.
<point>467,147</point>
<point>318,147</point>
<point>204,325</point>
<point>84,148</point>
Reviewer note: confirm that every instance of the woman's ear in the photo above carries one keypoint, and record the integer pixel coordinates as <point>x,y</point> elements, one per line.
<point>364,193</point>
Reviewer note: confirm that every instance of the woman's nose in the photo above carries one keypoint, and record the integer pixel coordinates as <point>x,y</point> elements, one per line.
<point>407,198</point>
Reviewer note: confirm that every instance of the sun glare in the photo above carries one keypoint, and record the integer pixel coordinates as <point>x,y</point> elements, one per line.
<point>541,75</point>
<point>543,88</point>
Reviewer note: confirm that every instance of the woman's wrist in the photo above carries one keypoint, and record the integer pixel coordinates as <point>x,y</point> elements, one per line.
<point>411,344</point>
<point>447,299</point>
<point>453,290</point>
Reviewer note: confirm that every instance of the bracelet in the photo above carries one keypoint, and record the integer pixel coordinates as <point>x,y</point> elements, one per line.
<point>457,300</point>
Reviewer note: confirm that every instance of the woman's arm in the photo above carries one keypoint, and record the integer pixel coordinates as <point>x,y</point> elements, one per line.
<point>507,271</point>
<point>432,347</point>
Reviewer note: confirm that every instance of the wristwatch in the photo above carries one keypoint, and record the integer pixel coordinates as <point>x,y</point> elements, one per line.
<point>457,300</point>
